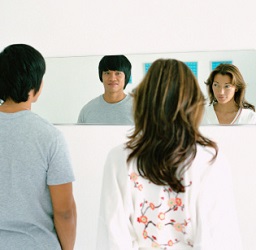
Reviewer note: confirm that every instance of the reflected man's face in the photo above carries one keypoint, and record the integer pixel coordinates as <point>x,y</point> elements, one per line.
<point>113,81</point>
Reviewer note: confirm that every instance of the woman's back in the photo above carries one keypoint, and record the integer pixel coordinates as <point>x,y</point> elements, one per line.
<point>144,215</point>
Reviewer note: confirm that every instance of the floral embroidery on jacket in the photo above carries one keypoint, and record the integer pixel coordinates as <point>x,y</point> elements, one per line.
<point>134,178</point>
<point>161,215</point>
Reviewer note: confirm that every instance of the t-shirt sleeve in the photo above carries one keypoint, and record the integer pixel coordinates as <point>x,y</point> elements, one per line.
<point>59,165</point>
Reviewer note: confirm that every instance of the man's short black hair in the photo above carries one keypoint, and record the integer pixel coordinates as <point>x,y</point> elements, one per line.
<point>21,69</point>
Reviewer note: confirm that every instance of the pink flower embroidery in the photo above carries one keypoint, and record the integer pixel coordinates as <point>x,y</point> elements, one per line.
<point>133,176</point>
<point>178,201</point>
<point>170,243</point>
<point>145,234</point>
<point>172,202</point>
<point>155,244</point>
<point>160,225</point>
<point>150,215</point>
<point>152,206</point>
<point>161,216</point>
<point>178,227</point>
<point>142,219</point>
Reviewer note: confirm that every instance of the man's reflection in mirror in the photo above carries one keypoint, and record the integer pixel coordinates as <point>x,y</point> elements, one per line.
<point>114,106</point>
<point>227,103</point>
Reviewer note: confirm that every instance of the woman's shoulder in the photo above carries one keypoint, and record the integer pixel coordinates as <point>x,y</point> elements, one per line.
<point>248,111</point>
<point>118,155</point>
<point>119,149</point>
<point>205,162</point>
<point>208,108</point>
<point>209,116</point>
<point>247,116</point>
<point>204,154</point>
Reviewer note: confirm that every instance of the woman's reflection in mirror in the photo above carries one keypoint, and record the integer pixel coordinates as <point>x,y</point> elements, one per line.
<point>114,106</point>
<point>166,187</point>
<point>227,103</point>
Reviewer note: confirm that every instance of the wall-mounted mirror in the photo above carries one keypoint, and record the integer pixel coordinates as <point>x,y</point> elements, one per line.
<point>70,82</point>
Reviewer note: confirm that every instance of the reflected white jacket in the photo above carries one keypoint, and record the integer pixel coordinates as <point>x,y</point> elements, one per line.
<point>244,116</point>
<point>137,214</point>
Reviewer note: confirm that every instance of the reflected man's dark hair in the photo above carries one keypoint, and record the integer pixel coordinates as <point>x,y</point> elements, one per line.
<point>116,62</point>
<point>21,69</point>
<point>168,107</point>
<point>236,80</point>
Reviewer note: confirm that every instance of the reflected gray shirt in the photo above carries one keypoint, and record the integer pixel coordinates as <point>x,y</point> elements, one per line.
<point>98,111</point>
<point>33,155</point>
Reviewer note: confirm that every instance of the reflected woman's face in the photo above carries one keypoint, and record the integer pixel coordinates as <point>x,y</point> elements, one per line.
<point>223,90</point>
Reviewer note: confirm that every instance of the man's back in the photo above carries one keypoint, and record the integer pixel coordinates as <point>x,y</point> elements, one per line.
<point>33,155</point>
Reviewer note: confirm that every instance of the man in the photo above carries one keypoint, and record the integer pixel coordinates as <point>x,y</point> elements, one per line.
<point>37,208</point>
<point>114,106</point>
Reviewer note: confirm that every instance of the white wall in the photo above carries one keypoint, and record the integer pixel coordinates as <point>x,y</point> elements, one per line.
<point>84,27</point>
<point>89,146</point>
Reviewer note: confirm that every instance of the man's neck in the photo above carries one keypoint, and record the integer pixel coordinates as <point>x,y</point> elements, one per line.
<point>12,107</point>
<point>114,97</point>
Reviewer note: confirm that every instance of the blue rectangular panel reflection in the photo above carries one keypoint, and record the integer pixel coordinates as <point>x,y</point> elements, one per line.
<point>192,65</point>
<point>217,63</point>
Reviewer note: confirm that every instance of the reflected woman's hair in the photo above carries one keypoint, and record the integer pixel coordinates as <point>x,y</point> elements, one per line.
<point>168,106</point>
<point>236,80</point>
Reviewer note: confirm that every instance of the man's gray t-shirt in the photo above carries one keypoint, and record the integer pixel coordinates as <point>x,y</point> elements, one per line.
<point>33,155</point>
<point>98,111</point>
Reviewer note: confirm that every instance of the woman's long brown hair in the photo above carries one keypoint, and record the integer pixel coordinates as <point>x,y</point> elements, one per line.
<point>236,79</point>
<point>168,105</point>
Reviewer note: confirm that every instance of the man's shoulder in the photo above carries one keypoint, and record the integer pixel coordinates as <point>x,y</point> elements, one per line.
<point>127,100</point>
<point>95,101</point>
<point>129,97</point>
<point>90,108</point>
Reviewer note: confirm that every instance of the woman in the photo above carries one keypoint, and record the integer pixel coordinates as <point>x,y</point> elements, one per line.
<point>226,89</point>
<point>167,187</point>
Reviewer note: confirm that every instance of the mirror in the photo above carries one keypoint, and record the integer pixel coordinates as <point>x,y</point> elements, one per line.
<point>71,82</point>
